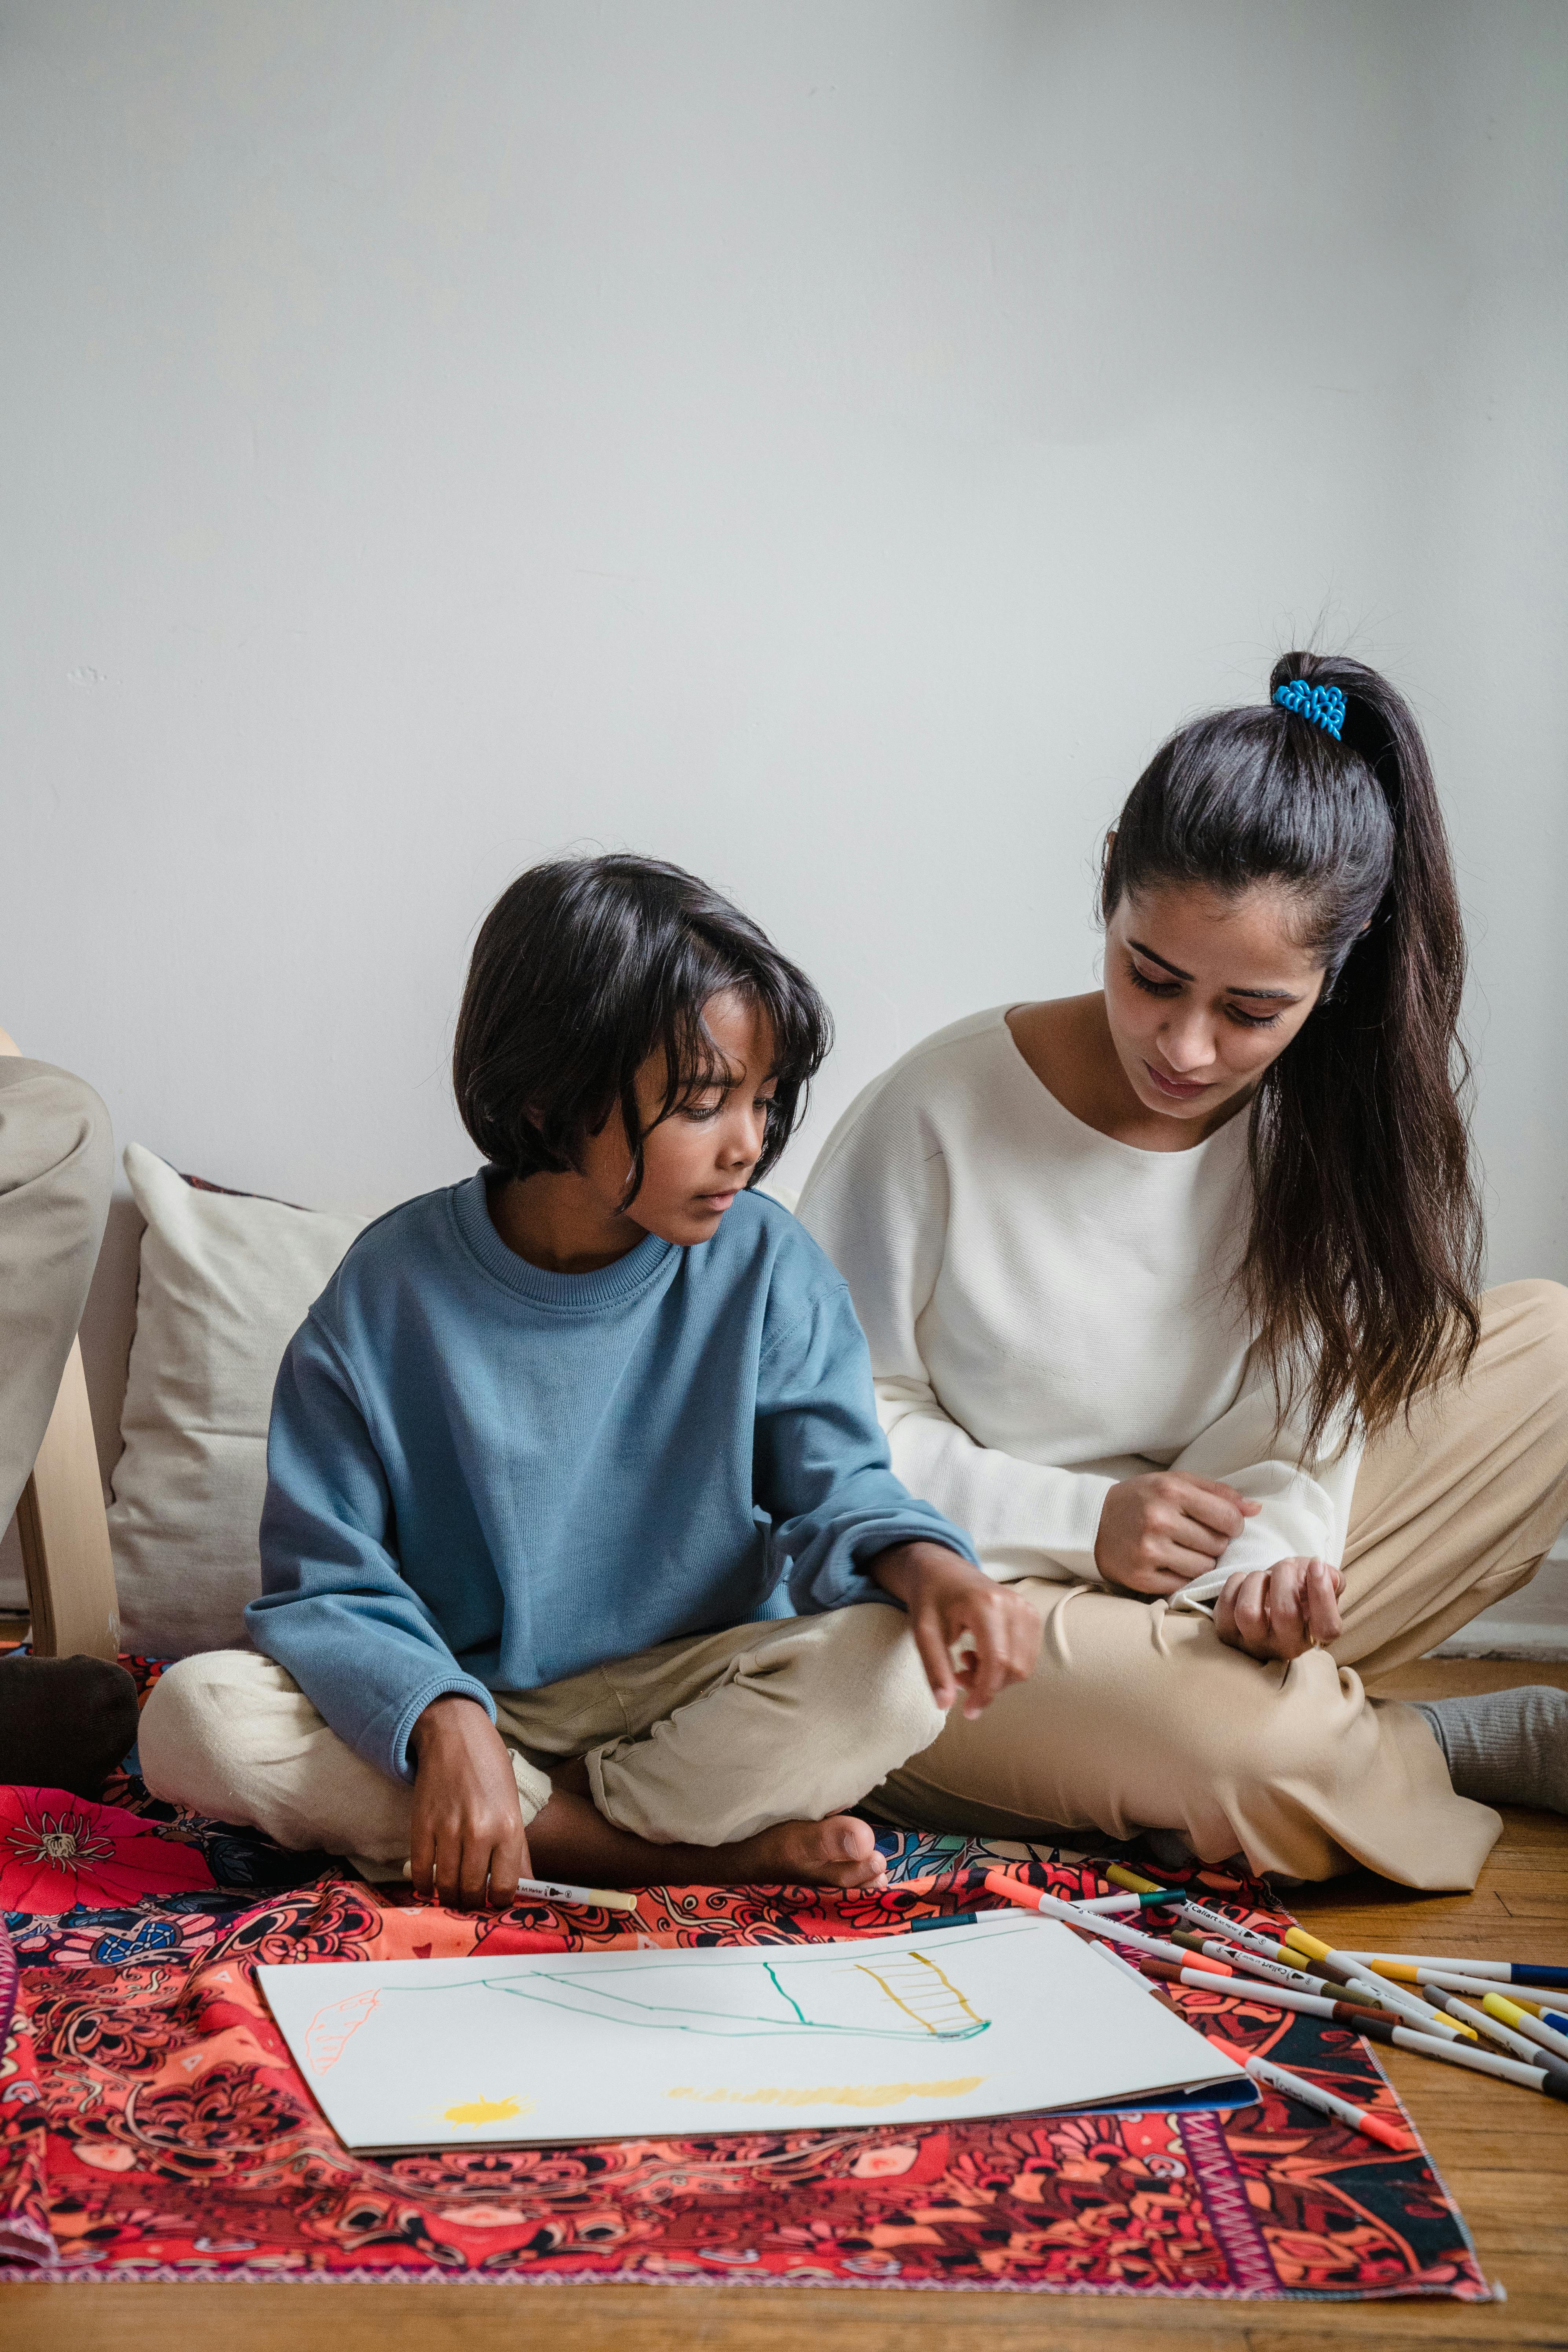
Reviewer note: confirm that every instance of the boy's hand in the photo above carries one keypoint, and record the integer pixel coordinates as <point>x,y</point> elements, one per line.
<point>1157,1532</point>
<point>952,1604</point>
<point>467,1839</point>
<point>1281,1612</point>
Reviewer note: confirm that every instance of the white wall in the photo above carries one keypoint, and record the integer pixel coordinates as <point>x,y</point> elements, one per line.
<point>826,442</point>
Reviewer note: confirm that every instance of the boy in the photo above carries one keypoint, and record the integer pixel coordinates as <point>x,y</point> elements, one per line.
<point>580,1534</point>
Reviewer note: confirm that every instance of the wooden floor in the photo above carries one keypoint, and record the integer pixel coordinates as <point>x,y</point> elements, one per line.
<point>1503,2153</point>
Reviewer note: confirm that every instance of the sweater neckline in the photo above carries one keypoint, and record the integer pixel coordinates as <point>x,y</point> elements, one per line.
<point>568,1294</point>
<point>1193,1154</point>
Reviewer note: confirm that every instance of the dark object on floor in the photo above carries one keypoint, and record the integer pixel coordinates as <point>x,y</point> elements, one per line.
<point>64,1723</point>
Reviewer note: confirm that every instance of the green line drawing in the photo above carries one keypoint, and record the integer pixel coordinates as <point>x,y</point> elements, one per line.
<point>902,1997</point>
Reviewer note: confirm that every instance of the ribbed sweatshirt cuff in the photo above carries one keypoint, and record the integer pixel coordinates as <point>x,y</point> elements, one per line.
<point>440,1686</point>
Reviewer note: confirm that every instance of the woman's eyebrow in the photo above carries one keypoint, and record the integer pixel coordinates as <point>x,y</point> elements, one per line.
<point>1279,995</point>
<point>1164,961</point>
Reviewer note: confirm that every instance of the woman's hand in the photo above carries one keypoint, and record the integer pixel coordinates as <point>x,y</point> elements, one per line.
<point>1159,1531</point>
<point>952,1606</point>
<point>467,1842</point>
<point>1280,1611</point>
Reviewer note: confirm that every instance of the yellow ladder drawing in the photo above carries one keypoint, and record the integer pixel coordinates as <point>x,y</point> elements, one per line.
<point>918,1987</point>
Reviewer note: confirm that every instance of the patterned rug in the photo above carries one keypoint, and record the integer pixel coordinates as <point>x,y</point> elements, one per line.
<point>153,2127</point>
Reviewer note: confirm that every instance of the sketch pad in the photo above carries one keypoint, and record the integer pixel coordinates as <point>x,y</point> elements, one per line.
<point>1002,2018</point>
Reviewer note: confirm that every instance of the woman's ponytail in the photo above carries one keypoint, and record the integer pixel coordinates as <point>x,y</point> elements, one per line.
<point>1362,1264</point>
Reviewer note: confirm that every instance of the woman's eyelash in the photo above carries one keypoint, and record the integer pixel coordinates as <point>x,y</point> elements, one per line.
<point>705,1112</point>
<point>1168,987</point>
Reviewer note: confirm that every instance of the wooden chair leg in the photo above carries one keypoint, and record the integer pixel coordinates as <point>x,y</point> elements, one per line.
<point>65,1535</point>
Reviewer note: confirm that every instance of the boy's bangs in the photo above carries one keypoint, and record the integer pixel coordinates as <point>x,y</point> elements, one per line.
<point>694,1062</point>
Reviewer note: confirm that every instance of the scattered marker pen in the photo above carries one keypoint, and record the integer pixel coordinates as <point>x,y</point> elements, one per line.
<point>1549,2077</point>
<point>1216,1924</point>
<point>1335,1965</point>
<point>1118,1876</point>
<point>1272,1971</point>
<point>1450,1981</point>
<point>545,1890</point>
<point>1519,1972</point>
<point>1072,1914</point>
<point>1281,1997</point>
<point>1422,2014</point>
<point>1328,2103</point>
<point>1497,2029</point>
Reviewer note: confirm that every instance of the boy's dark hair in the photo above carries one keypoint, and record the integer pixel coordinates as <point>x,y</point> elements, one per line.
<point>584,967</point>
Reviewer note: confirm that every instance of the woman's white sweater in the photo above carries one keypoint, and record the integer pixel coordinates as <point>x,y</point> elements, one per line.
<point>1049,1311</point>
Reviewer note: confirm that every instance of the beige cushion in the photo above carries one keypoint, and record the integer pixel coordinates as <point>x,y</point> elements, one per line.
<point>225,1284</point>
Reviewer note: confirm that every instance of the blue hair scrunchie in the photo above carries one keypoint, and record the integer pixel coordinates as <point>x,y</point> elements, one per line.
<point>1323,705</point>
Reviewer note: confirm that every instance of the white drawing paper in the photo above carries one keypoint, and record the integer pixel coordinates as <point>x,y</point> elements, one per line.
<point>1010,2015</point>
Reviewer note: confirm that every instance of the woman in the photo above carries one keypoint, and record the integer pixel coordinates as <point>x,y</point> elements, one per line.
<point>1172,1298</point>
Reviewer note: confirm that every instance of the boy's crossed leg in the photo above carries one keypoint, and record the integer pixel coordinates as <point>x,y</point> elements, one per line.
<point>718,1758</point>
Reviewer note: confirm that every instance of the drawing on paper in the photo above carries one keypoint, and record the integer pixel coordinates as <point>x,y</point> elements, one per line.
<point>899,1997</point>
<point>1007,2015</point>
<point>487,2111</point>
<point>331,2029</point>
<point>835,2094</point>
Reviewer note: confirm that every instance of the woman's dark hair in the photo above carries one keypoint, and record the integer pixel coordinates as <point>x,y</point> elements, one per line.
<point>584,969</point>
<point>1360,1268</point>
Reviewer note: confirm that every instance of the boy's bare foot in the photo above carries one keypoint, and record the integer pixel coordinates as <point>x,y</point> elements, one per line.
<point>571,1839</point>
<point>839,1851</point>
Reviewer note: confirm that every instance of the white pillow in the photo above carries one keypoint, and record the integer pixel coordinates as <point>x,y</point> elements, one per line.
<point>226,1282</point>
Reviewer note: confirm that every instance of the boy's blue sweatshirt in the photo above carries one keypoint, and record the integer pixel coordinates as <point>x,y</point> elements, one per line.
<point>482,1477</point>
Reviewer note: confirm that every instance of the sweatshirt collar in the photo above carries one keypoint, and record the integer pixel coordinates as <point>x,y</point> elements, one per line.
<point>571,1294</point>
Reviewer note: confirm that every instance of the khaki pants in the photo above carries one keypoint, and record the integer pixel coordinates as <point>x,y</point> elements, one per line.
<point>57,1165</point>
<point>702,1741</point>
<point>1138,1717</point>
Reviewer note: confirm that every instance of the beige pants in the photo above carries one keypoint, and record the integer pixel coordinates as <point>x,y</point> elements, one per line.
<point>1138,1717</point>
<point>57,1165</point>
<point>700,1741</point>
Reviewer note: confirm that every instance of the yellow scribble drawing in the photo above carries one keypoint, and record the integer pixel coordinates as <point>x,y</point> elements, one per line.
<point>487,2111</point>
<point>331,2028</point>
<point>836,2094</point>
<point>940,2006</point>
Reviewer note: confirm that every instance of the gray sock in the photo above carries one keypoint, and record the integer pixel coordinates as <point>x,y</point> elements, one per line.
<point>1505,1747</point>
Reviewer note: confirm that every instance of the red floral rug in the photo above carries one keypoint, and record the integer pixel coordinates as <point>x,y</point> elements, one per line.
<point>154,2126</point>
